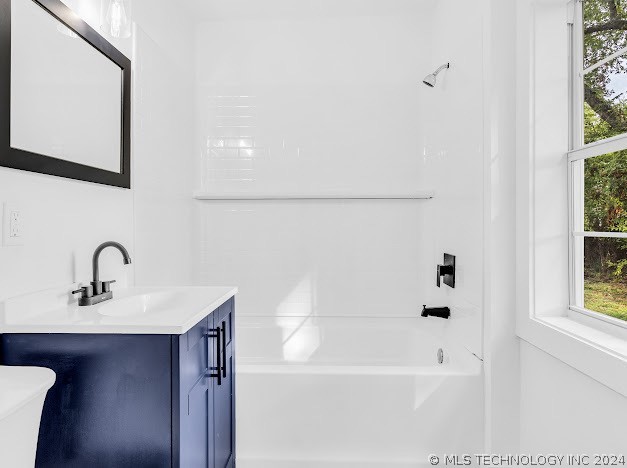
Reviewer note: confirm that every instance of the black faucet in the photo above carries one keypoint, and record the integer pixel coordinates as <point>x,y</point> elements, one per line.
<point>441,312</point>
<point>100,291</point>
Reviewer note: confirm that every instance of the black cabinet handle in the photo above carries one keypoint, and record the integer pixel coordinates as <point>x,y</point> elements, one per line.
<point>217,336</point>
<point>223,349</point>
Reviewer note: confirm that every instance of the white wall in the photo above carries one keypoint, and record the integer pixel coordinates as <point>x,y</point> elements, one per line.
<point>163,144</point>
<point>66,220</point>
<point>565,411</point>
<point>501,356</point>
<point>60,236</point>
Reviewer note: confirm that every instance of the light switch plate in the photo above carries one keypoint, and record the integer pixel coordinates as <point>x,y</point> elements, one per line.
<point>12,225</point>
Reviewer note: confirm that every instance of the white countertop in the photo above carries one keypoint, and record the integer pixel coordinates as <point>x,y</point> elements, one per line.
<point>57,311</point>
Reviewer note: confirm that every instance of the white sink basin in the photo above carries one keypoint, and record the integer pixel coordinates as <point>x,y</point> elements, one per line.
<point>153,302</point>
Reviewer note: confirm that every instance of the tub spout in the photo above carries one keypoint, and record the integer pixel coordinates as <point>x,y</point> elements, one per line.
<point>441,312</point>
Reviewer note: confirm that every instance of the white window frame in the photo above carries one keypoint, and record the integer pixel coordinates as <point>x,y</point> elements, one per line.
<point>578,153</point>
<point>589,343</point>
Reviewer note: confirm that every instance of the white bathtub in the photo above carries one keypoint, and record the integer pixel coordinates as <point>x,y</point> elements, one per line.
<point>358,393</point>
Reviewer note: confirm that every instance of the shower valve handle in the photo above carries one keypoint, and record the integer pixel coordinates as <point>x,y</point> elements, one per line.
<point>444,270</point>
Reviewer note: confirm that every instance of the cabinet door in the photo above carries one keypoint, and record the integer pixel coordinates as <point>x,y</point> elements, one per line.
<point>224,392</point>
<point>195,399</point>
<point>196,453</point>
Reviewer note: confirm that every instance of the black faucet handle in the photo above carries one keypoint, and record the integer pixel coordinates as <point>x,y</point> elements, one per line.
<point>106,286</point>
<point>447,270</point>
<point>85,291</point>
<point>442,271</point>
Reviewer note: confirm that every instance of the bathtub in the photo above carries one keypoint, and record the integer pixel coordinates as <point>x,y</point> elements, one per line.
<point>353,393</point>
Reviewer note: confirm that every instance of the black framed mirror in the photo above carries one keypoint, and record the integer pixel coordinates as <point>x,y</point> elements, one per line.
<point>65,96</point>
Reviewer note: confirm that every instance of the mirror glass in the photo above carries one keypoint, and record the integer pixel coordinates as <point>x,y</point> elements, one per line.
<point>66,96</point>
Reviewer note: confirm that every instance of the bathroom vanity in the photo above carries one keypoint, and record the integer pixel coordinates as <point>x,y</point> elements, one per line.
<point>146,380</point>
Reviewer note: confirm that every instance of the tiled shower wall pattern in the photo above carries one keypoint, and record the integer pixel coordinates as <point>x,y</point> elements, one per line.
<point>310,105</point>
<point>307,141</point>
<point>317,258</point>
<point>233,149</point>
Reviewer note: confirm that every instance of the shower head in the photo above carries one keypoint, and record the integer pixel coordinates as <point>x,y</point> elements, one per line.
<point>431,80</point>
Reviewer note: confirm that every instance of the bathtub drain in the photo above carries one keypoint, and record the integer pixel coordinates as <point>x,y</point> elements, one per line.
<point>440,356</point>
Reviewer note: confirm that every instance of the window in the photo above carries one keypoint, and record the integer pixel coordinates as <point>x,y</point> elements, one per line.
<point>550,239</point>
<point>598,160</point>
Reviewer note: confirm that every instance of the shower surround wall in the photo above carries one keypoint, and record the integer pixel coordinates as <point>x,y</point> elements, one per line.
<point>453,143</point>
<point>323,100</point>
<point>327,97</point>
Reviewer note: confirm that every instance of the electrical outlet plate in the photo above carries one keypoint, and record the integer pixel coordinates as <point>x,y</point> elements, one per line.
<point>12,225</point>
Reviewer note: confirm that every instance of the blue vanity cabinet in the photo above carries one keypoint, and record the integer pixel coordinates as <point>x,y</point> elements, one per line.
<point>135,401</point>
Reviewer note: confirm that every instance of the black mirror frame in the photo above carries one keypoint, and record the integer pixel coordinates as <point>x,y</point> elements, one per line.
<point>28,161</point>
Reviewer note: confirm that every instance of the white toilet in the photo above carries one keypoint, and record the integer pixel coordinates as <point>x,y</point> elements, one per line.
<point>22,394</point>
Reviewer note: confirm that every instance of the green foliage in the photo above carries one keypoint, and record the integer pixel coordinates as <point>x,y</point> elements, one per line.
<point>600,44</point>
<point>595,128</point>
<point>606,193</point>
<point>605,32</point>
<point>618,267</point>
<point>605,210</point>
<point>605,116</point>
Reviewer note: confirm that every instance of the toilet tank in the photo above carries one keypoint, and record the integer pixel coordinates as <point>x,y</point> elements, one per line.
<point>22,394</point>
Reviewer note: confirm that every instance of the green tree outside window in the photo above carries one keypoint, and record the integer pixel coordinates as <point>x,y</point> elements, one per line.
<point>605,194</point>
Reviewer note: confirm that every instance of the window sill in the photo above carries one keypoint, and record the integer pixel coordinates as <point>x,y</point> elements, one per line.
<point>593,347</point>
<point>581,327</point>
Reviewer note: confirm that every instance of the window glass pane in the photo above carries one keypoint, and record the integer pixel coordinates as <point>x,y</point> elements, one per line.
<point>605,193</point>
<point>605,276</point>
<point>605,101</point>
<point>604,29</point>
